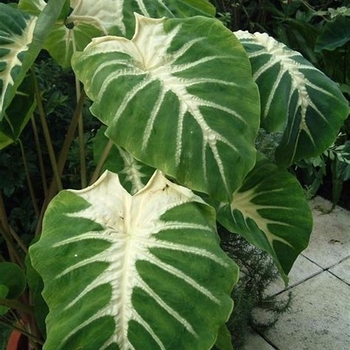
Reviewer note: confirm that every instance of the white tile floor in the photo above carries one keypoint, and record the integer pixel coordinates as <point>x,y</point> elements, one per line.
<point>319,318</point>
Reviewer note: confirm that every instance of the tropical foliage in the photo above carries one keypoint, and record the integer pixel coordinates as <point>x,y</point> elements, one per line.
<point>133,260</point>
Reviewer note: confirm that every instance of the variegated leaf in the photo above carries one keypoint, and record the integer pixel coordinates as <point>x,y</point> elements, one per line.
<point>166,100</point>
<point>16,34</point>
<point>91,18</point>
<point>270,210</point>
<point>133,175</point>
<point>296,98</point>
<point>21,40</point>
<point>132,272</point>
<point>62,42</point>
<point>117,16</point>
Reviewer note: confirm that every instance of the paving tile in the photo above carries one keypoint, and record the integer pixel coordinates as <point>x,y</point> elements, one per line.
<point>301,270</point>
<point>319,317</point>
<point>253,341</point>
<point>330,239</point>
<point>342,270</point>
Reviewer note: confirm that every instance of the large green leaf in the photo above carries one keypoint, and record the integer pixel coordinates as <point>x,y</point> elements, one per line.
<point>271,212</point>
<point>133,175</point>
<point>132,272</point>
<point>166,100</point>
<point>296,98</point>
<point>21,39</point>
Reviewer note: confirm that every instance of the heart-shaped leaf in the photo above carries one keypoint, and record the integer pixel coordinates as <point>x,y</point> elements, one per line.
<point>132,272</point>
<point>166,101</point>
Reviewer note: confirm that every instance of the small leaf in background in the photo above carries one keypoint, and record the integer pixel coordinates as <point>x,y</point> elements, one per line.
<point>3,294</point>
<point>133,175</point>
<point>335,34</point>
<point>296,98</point>
<point>142,270</point>
<point>18,113</point>
<point>13,277</point>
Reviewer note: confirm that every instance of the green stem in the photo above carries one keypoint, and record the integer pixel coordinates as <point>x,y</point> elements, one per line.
<point>29,180</point>
<point>63,156</point>
<point>40,156</point>
<point>18,240</point>
<point>21,330</point>
<point>5,230</point>
<point>83,170</point>
<point>14,304</point>
<point>101,161</point>
<point>47,133</point>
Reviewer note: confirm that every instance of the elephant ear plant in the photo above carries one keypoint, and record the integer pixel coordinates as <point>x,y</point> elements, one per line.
<point>133,261</point>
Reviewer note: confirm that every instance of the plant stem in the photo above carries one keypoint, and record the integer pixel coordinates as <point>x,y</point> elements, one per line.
<point>47,133</point>
<point>29,180</point>
<point>22,330</point>
<point>14,304</point>
<point>83,171</point>
<point>62,157</point>
<point>18,240</point>
<point>39,153</point>
<point>101,161</point>
<point>6,233</point>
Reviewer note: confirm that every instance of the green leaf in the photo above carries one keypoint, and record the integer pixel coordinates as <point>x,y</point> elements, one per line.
<point>334,35</point>
<point>21,40</point>
<point>224,341</point>
<point>296,98</point>
<point>62,42</point>
<point>16,34</point>
<point>117,17</point>
<point>90,19</point>
<point>13,277</point>
<point>166,101</point>
<point>3,294</point>
<point>33,7</point>
<point>271,212</point>
<point>36,286</point>
<point>18,114</point>
<point>132,272</point>
<point>133,175</point>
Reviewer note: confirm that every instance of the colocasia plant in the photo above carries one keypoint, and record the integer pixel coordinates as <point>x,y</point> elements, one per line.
<point>133,261</point>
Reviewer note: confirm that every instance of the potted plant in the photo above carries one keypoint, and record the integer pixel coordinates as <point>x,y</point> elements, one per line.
<point>133,260</point>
